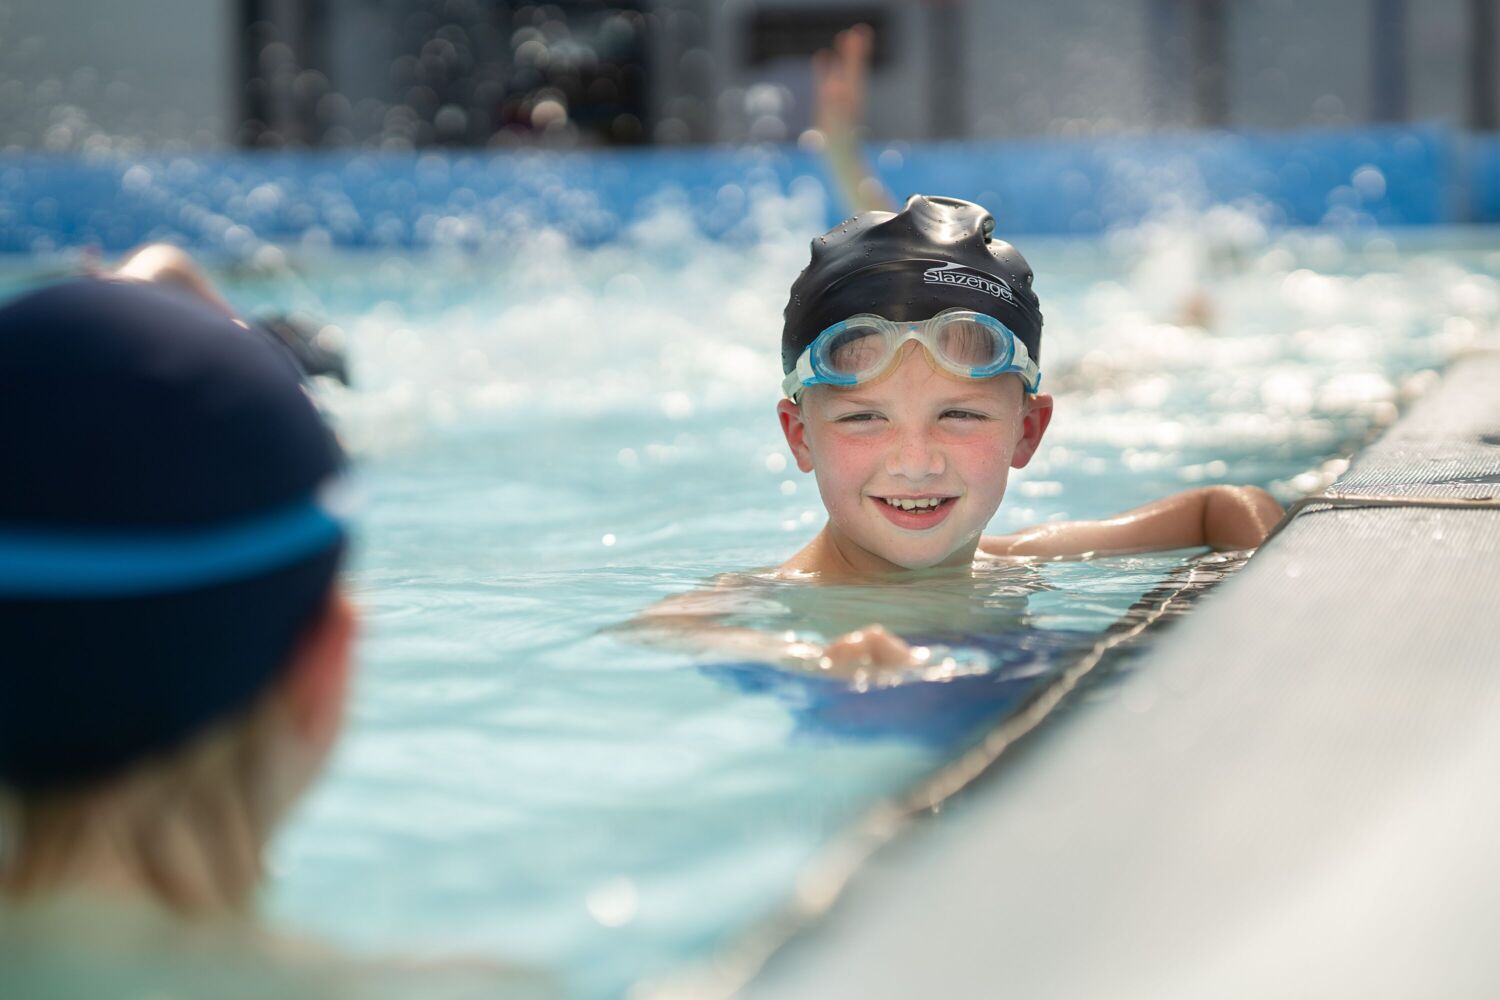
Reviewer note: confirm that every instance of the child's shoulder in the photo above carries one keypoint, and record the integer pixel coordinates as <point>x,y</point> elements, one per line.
<point>817,559</point>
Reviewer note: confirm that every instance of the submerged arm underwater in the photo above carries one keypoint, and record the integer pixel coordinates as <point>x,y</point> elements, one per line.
<point>692,622</point>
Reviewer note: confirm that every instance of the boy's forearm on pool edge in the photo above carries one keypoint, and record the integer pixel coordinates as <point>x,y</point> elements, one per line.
<point>1221,517</point>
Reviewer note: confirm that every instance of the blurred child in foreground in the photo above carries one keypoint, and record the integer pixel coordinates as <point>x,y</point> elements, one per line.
<point>177,645</point>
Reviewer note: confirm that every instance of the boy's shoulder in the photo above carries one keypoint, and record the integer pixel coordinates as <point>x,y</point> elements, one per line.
<point>817,560</point>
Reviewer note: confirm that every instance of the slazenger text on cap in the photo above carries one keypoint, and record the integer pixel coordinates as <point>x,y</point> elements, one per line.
<point>955,274</point>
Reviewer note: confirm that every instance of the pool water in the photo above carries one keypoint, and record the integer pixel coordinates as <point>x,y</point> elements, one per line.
<point>551,439</point>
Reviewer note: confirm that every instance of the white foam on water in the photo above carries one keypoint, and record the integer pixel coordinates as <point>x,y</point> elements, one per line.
<point>665,321</point>
<point>1201,330</point>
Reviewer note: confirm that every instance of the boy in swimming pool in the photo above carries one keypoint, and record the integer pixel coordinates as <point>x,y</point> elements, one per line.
<point>911,349</point>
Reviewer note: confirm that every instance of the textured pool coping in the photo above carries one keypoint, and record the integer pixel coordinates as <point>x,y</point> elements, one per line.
<point>1293,794</point>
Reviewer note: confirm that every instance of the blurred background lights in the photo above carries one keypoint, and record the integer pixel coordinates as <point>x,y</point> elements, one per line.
<point>77,76</point>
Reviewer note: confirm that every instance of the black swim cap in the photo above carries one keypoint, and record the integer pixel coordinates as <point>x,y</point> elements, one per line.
<point>934,254</point>
<point>164,532</point>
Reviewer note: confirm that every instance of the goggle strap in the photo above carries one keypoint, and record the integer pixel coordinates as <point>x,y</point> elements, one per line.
<point>800,376</point>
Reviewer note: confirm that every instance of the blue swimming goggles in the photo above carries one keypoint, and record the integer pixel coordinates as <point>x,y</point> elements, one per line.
<point>968,344</point>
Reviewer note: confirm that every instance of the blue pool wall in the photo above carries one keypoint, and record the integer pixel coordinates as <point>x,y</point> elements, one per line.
<point>233,202</point>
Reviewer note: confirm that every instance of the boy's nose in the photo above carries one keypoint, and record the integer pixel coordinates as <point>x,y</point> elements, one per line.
<point>915,458</point>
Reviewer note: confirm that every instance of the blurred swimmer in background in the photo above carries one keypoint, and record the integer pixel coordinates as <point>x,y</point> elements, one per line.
<point>170,267</point>
<point>1178,260</point>
<point>177,645</point>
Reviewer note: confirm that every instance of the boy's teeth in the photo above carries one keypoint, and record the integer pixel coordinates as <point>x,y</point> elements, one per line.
<point>913,504</point>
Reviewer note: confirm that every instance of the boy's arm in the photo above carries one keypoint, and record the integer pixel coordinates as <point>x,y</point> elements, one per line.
<point>1221,517</point>
<point>839,76</point>
<point>164,264</point>
<point>687,621</point>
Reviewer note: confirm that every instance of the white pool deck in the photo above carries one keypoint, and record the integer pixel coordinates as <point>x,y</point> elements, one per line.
<point>1295,793</point>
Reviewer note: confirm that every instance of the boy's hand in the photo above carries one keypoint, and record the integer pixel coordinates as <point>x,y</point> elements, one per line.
<point>839,79</point>
<point>840,76</point>
<point>870,648</point>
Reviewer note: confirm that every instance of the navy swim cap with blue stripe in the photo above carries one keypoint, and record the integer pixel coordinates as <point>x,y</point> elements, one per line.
<point>164,530</point>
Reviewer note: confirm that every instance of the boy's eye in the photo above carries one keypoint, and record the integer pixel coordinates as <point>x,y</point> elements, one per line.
<point>964,414</point>
<point>850,418</point>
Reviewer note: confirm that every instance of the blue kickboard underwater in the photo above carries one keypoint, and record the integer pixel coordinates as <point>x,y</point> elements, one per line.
<point>941,713</point>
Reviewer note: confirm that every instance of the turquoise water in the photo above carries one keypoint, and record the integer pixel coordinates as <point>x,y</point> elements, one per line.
<point>550,440</point>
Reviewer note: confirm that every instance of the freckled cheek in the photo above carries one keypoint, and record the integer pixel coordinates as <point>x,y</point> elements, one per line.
<point>983,464</point>
<point>846,462</point>
<point>845,455</point>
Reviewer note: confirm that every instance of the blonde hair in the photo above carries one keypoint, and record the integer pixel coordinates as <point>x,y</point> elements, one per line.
<point>186,827</point>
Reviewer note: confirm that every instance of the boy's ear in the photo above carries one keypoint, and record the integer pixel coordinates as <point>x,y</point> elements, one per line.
<point>1034,423</point>
<point>316,682</point>
<point>795,430</point>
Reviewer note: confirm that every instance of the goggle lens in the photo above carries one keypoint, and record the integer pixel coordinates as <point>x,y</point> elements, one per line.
<point>856,350</point>
<point>969,344</point>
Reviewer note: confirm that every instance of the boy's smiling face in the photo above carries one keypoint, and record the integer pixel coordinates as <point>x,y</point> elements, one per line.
<point>912,466</point>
